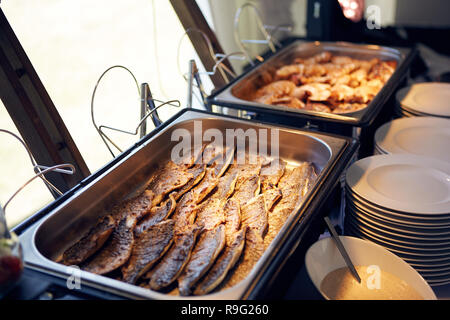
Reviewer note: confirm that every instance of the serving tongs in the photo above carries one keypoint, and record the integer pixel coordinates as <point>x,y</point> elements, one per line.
<point>148,108</point>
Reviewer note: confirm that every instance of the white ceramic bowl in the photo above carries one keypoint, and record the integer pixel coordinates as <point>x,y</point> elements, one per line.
<point>323,257</point>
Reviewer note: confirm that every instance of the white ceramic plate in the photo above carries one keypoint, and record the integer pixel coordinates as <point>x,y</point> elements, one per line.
<point>428,239</point>
<point>428,97</point>
<point>394,225</point>
<point>412,243</point>
<point>423,136</point>
<point>404,217</point>
<point>402,251</point>
<point>404,183</point>
<point>432,264</point>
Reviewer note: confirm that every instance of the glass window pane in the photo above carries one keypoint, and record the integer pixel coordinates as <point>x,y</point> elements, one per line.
<point>16,169</point>
<point>70,44</point>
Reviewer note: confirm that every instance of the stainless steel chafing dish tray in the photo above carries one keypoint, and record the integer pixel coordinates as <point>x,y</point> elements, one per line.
<point>232,94</point>
<point>45,235</point>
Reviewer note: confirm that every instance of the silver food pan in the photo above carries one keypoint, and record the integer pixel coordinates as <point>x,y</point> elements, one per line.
<point>65,221</point>
<point>233,95</point>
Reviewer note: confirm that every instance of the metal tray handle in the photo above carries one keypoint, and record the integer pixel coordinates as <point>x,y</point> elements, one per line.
<point>147,108</point>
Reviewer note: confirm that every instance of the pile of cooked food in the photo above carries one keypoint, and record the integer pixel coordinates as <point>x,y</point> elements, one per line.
<point>324,83</point>
<point>199,226</point>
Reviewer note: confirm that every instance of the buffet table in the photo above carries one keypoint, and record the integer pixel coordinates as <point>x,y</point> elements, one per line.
<point>284,276</point>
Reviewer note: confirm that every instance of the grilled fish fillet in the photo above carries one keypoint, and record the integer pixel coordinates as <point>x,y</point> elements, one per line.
<point>175,260</point>
<point>186,209</point>
<point>198,172</point>
<point>234,243</point>
<point>253,250</point>
<point>167,179</point>
<point>212,152</point>
<point>148,248</point>
<point>194,157</point>
<point>271,196</point>
<point>205,186</point>
<point>247,189</point>
<point>90,243</point>
<point>116,250</point>
<point>293,185</point>
<point>210,214</point>
<point>232,219</point>
<point>245,170</point>
<point>271,173</point>
<point>138,206</point>
<point>208,247</point>
<point>185,212</point>
<point>225,187</point>
<point>254,215</point>
<point>223,161</point>
<point>223,264</point>
<point>156,215</point>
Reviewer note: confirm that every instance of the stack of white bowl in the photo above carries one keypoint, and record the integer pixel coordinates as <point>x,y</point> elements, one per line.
<point>402,202</point>
<point>424,99</point>
<point>423,136</point>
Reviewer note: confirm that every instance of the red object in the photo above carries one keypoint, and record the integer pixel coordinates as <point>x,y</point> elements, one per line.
<point>10,269</point>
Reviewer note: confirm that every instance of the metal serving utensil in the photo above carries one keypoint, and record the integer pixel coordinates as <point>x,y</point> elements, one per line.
<point>342,250</point>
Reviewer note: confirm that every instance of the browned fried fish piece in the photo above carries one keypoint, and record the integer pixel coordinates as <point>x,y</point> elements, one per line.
<point>116,250</point>
<point>245,167</point>
<point>253,250</point>
<point>271,173</point>
<point>175,260</point>
<point>225,187</point>
<point>208,247</point>
<point>223,161</point>
<point>148,248</point>
<point>210,214</point>
<point>90,243</point>
<point>271,196</point>
<point>232,219</point>
<point>198,172</point>
<point>247,189</point>
<point>139,206</point>
<point>223,264</point>
<point>193,157</point>
<point>254,214</point>
<point>212,152</point>
<point>296,183</point>
<point>293,185</point>
<point>205,186</point>
<point>186,209</point>
<point>167,179</point>
<point>185,212</point>
<point>156,215</point>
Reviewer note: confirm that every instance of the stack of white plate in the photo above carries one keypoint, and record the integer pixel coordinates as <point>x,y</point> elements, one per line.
<point>423,136</point>
<point>402,202</point>
<point>424,99</point>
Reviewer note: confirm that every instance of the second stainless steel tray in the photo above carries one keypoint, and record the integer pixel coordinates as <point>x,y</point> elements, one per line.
<point>232,94</point>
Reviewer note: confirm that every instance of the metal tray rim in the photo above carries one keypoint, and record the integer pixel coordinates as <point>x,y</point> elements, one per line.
<point>224,97</point>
